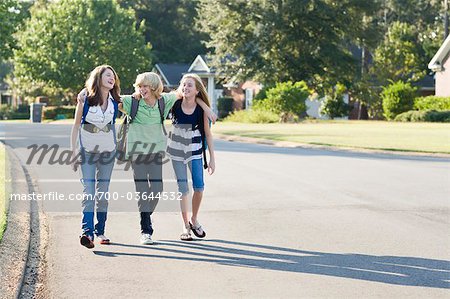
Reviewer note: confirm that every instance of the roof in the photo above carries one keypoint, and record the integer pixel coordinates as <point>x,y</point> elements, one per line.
<point>200,65</point>
<point>440,57</point>
<point>172,73</point>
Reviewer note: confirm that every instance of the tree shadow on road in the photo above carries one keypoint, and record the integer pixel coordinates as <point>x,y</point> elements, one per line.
<point>406,271</point>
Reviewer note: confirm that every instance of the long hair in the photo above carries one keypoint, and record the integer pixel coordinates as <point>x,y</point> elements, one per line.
<point>93,84</point>
<point>198,85</point>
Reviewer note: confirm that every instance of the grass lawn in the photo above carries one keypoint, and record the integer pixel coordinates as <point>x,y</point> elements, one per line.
<point>381,135</point>
<point>3,190</point>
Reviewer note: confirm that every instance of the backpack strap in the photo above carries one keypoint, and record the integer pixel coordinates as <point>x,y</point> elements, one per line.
<point>85,110</point>
<point>134,109</point>
<point>162,107</point>
<point>116,110</point>
<point>201,127</point>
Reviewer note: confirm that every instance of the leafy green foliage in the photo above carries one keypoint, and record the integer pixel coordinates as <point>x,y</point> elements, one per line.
<point>424,116</point>
<point>333,104</point>
<point>63,41</point>
<point>398,97</point>
<point>169,25</point>
<point>258,116</point>
<point>432,103</point>
<point>12,12</point>
<point>286,40</point>
<point>62,112</point>
<point>9,112</point>
<point>286,99</point>
<point>400,56</point>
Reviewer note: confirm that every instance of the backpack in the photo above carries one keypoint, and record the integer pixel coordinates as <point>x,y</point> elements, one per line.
<point>200,124</point>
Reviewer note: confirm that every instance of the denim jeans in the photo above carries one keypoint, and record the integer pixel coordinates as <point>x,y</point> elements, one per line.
<point>96,170</point>
<point>196,168</point>
<point>147,172</point>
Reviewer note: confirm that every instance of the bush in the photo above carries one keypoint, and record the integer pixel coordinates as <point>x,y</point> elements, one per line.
<point>432,103</point>
<point>253,116</point>
<point>225,106</point>
<point>59,112</point>
<point>8,112</point>
<point>398,97</point>
<point>424,116</point>
<point>286,99</point>
<point>334,105</point>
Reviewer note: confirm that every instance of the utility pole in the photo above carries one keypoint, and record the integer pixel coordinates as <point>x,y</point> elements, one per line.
<point>445,19</point>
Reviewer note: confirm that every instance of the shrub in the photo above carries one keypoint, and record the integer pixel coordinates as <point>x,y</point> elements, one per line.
<point>58,112</point>
<point>424,116</point>
<point>432,103</point>
<point>225,106</point>
<point>398,97</point>
<point>8,112</point>
<point>286,99</point>
<point>334,105</point>
<point>253,116</point>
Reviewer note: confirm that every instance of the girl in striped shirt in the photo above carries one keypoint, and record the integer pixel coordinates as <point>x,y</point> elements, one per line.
<point>188,141</point>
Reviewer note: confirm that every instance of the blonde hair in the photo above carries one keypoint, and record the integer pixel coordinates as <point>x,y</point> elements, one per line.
<point>93,84</point>
<point>198,85</point>
<point>151,79</point>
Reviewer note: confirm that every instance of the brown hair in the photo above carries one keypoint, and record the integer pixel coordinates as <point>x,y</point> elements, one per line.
<point>93,85</point>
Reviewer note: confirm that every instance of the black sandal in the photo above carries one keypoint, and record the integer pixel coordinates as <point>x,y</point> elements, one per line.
<point>197,230</point>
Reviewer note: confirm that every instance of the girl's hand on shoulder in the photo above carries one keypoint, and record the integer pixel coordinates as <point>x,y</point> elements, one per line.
<point>211,115</point>
<point>82,95</point>
<point>211,167</point>
<point>137,95</point>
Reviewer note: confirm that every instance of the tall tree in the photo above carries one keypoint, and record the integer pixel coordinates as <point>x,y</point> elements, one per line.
<point>401,55</point>
<point>63,41</point>
<point>281,40</point>
<point>170,28</point>
<point>12,12</point>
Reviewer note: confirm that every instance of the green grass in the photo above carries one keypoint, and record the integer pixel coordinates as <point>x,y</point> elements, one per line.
<point>380,135</point>
<point>3,190</point>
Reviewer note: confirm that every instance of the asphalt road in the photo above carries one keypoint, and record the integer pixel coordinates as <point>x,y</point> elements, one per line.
<point>281,222</point>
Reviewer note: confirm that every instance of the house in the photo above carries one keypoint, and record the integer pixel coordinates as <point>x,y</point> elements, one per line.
<point>440,64</point>
<point>242,93</point>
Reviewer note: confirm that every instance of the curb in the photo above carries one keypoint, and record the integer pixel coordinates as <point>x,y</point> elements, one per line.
<point>14,247</point>
<point>25,243</point>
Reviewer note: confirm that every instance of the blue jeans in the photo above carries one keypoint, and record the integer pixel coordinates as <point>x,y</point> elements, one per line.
<point>196,168</point>
<point>96,169</point>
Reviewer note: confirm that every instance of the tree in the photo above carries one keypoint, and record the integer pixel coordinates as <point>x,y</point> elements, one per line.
<point>170,28</point>
<point>400,56</point>
<point>62,42</point>
<point>12,12</point>
<point>281,40</point>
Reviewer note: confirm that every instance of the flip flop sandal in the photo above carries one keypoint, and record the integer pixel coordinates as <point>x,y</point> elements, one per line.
<point>186,235</point>
<point>197,230</point>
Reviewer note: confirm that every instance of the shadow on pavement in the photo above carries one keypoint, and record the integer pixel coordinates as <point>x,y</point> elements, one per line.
<point>406,271</point>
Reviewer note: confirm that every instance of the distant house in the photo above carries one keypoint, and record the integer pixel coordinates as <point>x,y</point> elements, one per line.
<point>242,93</point>
<point>440,64</point>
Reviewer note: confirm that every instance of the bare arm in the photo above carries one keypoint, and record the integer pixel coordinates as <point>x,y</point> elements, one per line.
<point>209,113</point>
<point>74,133</point>
<point>210,142</point>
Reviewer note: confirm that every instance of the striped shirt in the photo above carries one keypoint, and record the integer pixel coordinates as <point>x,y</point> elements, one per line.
<point>185,139</point>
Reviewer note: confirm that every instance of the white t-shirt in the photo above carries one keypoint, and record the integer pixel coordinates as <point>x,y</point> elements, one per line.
<point>100,141</point>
